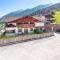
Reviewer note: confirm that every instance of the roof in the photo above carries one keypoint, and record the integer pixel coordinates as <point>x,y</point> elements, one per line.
<point>9,19</point>
<point>41,18</point>
<point>26,19</point>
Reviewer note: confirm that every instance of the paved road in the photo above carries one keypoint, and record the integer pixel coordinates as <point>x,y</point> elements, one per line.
<point>42,49</point>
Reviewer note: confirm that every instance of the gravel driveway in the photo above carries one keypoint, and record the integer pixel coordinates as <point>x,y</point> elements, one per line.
<point>42,49</point>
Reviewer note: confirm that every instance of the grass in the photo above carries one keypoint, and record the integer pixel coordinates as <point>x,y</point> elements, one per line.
<point>3,37</point>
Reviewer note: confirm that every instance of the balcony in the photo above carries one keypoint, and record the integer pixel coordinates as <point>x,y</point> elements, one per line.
<point>25,25</point>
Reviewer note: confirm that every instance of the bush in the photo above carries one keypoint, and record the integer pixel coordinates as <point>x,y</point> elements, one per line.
<point>4,33</point>
<point>37,31</point>
<point>44,30</point>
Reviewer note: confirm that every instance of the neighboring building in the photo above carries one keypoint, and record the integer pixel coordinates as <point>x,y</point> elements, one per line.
<point>8,19</point>
<point>22,25</point>
<point>47,22</point>
<point>3,22</point>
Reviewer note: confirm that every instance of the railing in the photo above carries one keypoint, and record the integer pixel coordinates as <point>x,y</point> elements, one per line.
<point>24,38</point>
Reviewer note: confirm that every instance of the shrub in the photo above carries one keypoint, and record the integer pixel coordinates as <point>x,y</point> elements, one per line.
<point>44,30</point>
<point>37,31</point>
<point>4,33</point>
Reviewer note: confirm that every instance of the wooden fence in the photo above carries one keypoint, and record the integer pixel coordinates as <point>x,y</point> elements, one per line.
<point>24,38</point>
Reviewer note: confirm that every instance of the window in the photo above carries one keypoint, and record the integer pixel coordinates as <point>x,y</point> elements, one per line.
<point>10,31</point>
<point>31,23</point>
<point>31,29</point>
<point>19,30</point>
<point>25,30</point>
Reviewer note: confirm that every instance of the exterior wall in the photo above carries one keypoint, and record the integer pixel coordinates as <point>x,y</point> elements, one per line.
<point>37,24</point>
<point>29,30</point>
<point>16,30</point>
<point>56,27</point>
<point>12,28</point>
<point>23,30</point>
<point>52,27</point>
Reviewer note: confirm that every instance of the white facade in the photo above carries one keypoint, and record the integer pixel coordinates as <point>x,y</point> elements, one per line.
<point>12,28</point>
<point>16,29</point>
<point>28,30</point>
<point>37,24</point>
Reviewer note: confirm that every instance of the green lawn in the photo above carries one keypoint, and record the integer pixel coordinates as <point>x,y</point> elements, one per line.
<point>3,37</point>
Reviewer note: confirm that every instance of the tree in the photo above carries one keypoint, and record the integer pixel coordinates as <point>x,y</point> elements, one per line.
<point>56,17</point>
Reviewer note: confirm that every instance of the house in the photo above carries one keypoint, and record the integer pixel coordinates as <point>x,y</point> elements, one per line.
<point>22,25</point>
<point>8,19</point>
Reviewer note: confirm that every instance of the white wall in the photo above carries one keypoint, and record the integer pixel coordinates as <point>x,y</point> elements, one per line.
<point>12,28</point>
<point>16,29</point>
<point>39,24</point>
<point>22,30</point>
<point>26,28</point>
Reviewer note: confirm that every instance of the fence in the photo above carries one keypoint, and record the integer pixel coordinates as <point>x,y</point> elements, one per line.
<point>24,38</point>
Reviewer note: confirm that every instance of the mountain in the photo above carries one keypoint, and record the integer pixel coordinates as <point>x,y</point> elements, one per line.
<point>26,12</point>
<point>47,10</point>
<point>12,14</point>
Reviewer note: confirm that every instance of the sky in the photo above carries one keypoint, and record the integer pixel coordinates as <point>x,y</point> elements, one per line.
<point>7,6</point>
